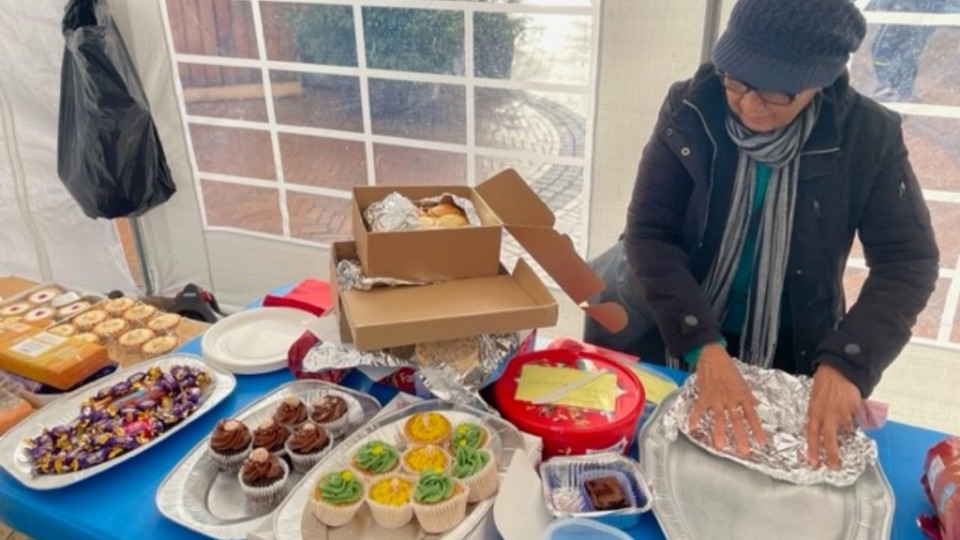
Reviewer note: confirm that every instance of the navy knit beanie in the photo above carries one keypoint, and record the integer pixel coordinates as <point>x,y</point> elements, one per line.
<point>789,45</point>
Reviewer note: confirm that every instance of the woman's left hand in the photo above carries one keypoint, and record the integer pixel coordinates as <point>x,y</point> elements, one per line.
<point>833,403</point>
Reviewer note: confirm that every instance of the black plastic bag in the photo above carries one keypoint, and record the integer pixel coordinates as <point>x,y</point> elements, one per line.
<point>108,153</point>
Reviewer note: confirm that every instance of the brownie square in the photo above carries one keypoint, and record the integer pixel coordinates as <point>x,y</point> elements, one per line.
<point>606,493</point>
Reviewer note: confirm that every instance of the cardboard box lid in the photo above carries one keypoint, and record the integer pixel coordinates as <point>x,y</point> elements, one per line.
<point>530,221</point>
<point>391,317</point>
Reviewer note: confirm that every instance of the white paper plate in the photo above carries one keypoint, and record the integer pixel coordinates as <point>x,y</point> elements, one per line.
<point>256,340</point>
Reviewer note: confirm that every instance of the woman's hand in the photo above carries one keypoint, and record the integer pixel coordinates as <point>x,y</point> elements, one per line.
<point>721,389</point>
<point>833,403</point>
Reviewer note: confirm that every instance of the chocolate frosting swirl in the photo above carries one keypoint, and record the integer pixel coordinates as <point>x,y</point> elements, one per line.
<point>291,412</point>
<point>229,436</point>
<point>328,408</point>
<point>257,470</point>
<point>308,439</point>
<point>270,435</point>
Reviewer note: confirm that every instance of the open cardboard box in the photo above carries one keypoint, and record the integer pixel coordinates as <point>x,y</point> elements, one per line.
<point>504,201</point>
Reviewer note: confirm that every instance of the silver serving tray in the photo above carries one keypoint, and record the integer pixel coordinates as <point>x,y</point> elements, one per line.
<point>697,495</point>
<point>197,495</point>
<point>66,409</point>
<point>294,520</point>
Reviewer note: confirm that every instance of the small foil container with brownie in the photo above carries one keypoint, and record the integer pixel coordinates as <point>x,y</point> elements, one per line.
<point>607,487</point>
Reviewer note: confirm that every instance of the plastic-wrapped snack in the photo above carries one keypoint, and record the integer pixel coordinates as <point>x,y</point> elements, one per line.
<point>941,482</point>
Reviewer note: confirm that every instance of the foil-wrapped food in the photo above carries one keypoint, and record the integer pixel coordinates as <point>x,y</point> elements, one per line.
<point>782,401</point>
<point>398,213</point>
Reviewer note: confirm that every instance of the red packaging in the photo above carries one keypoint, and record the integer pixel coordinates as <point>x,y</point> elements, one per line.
<point>310,295</point>
<point>941,482</point>
<point>567,429</point>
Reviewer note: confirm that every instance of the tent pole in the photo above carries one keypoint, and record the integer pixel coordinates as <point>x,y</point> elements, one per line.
<point>711,29</point>
<point>141,256</point>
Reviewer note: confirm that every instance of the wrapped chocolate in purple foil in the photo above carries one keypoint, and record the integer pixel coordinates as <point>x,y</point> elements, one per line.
<point>782,410</point>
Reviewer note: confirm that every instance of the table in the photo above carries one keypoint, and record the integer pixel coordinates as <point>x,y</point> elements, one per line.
<point>119,503</point>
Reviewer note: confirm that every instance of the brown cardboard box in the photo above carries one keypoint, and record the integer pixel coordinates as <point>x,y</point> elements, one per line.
<point>504,200</point>
<point>57,361</point>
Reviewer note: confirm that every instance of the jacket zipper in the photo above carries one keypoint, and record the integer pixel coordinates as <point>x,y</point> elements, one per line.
<point>713,164</point>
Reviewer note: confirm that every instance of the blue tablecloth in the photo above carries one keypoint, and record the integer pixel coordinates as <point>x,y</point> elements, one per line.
<point>119,503</point>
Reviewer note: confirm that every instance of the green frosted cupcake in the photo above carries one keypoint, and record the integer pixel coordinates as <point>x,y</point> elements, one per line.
<point>375,458</point>
<point>471,435</point>
<point>439,501</point>
<point>476,468</point>
<point>337,497</point>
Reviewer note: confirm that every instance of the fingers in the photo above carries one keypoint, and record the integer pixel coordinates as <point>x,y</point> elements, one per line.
<point>829,433</point>
<point>813,442</point>
<point>750,413</point>
<point>720,429</point>
<point>695,415</point>
<point>740,440</point>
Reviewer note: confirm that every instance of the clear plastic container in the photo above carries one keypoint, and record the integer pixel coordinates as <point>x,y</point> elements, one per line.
<point>580,529</point>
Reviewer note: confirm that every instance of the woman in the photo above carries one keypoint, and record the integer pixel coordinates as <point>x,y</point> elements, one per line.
<point>761,170</point>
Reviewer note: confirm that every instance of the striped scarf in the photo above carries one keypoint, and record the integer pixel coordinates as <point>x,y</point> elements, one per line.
<point>780,150</point>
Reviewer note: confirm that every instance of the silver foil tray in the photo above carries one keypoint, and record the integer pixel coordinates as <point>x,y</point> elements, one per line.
<point>67,408</point>
<point>199,496</point>
<point>697,495</point>
<point>294,521</point>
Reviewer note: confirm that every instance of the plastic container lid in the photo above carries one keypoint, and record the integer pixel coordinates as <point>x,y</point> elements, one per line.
<point>568,430</point>
<point>580,529</point>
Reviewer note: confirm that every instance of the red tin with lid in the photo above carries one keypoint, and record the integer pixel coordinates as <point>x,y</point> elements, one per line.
<point>570,430</point>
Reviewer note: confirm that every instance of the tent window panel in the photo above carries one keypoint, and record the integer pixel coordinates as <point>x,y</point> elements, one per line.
<point>317,100</point>
<point>425,111</point>
<point>559,186</point>
<point>536,122</point>
<point>323,162</point>
<point>398,165</point>
<point>242,207</point>
<point>234,151</point>
<point>212,28</point>
<point>419,40</point>
<point>240,97</point>
<point>317,218</point>
<point>549,49</point>
<point>309,33</point>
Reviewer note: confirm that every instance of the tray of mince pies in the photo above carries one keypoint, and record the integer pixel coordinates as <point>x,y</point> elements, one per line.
<point>131,331</point>
<point>45,305</point>
<point>236,477</point>
<point>431,470</point>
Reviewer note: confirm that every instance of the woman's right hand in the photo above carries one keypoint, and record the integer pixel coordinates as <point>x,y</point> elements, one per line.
<point>722,390</point>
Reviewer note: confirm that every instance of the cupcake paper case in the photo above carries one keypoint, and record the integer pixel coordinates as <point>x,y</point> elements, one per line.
<point>337,497</point>
<point>307,446</point>
<point>332,412</point>
<point>389,498</point>
<point>439,502</point>
<point>478,470</point>
<point>263,476</point>
<point>230,444</point>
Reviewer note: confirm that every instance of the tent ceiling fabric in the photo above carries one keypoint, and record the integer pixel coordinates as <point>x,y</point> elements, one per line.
<point>81,251</point>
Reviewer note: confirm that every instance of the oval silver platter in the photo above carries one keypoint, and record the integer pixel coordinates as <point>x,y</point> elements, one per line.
<point>294,521</point>
<point>697,495</point>
<point>197,495</point>
<point>67,408</point>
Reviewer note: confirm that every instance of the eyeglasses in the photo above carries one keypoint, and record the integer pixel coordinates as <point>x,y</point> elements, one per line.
<point>771,97</point>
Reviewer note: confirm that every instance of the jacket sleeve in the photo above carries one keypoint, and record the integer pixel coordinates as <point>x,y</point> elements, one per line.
<point>902,257</point>
<point>654,247</point>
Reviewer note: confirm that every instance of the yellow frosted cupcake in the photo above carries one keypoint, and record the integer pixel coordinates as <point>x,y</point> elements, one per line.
<point>428,428</point>
<point>389,500</point>
<point>427,457</point>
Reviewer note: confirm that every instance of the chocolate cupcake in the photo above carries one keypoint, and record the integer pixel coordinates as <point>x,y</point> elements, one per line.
<point>230,443</point>
<point>307,446</point>
<point>263,476</point>
<point>330,411</point>
<point>270,436</point>
<point>292,412</point>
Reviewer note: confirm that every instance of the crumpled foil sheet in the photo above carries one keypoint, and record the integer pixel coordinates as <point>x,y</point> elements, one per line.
<point>350,277</point>
<point>444,381</point>
<point>782,410</point>
<point>398,213</point>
